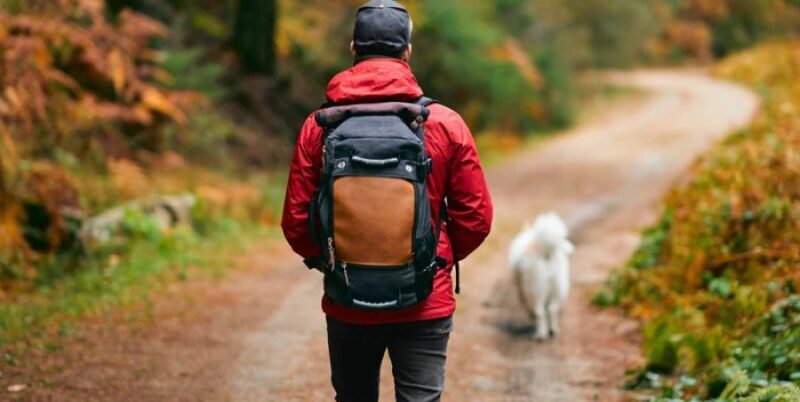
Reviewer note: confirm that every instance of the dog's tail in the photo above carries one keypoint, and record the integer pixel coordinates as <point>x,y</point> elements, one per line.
<point>548,234</point>
<point>551,234</point>
<point>519,248</point>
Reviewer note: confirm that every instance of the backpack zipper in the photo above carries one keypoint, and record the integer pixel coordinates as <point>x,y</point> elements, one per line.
<point>324,157</point>
<point>331,256</point>
<point>346,278</point>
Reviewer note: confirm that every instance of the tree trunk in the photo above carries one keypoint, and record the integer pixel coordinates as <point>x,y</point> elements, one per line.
<point>115,6</point>
<point>255,35</point>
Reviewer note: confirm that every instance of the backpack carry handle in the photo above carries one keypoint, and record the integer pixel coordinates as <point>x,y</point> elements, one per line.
<point>375,163</point>
<point>371,305</point>
<point>331,117</point>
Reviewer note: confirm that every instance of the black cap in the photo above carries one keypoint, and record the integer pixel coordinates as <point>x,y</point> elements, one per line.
<point>383,28</point>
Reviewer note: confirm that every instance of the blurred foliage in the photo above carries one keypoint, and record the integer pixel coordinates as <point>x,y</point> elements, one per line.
<point>131,275</point>
<point>716,282</point>
<point>704,29</point>
<point>94,113</point>
<point>508,66</point>
<point>70,81</point>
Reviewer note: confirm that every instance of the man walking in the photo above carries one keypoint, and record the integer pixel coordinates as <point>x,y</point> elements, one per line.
<point>386,193</point>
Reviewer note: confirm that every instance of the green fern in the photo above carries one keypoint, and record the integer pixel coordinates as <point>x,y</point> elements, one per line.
<point>738,385</point>
<point>776,393</point>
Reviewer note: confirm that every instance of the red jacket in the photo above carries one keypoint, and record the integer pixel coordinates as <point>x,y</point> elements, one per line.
<point>457,175</point>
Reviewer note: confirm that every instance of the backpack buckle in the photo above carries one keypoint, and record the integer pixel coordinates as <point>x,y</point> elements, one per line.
<point>424,169</point>
<point>417,123</point>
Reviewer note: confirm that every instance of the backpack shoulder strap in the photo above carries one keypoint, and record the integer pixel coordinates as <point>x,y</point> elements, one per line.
<point>426,101</point>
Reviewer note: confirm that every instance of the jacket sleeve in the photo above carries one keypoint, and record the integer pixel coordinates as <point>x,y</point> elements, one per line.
<point>304,177</point>
<point>469,202</point>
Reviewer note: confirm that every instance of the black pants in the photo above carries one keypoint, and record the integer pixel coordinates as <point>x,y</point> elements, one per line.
<point>418,352</point>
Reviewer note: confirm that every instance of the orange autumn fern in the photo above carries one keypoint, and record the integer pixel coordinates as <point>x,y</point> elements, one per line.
<point>72,82</point>
<point>704,29</point>
<point>728,247</point>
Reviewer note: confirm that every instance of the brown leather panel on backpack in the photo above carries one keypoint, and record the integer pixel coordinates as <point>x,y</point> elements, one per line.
<point>373,220</point>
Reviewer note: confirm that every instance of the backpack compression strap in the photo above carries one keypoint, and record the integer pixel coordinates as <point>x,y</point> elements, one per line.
<point>444,217</point>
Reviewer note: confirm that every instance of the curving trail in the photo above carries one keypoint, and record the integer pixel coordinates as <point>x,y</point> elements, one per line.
<point>259,334</point>
<point>607,179</point>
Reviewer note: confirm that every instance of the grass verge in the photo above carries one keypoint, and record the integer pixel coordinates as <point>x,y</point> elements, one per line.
<point>126,278</point>
<point>142,259</point>
<point>715,282</point>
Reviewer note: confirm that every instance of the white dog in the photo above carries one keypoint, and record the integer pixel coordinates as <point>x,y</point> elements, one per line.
<point>539,259</point>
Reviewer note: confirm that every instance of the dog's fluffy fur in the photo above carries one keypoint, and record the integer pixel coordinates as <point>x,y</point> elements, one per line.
<point>539,259</point>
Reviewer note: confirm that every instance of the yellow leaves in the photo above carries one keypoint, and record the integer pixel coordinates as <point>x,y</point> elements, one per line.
<point>307,26</point>
<point>708,8</point>
<point>514,53</point>
<point>22,104</point>
<point>690,24</point>
<point>137,115</point>
<point>776,64</point>
<point>41,55</point>
<point>12,97</point>
<point>153,99</point>
<point>692,37</point>
<point>105,72</point>
<point>92,7</point>
<point>72,83</point>
<point>117,67</point>
<point>3,28</point>
<point>213,195</point>
<point>792,158</point>
<point>8,161</point>
<point>694,272</point>
<point>734,231</point>
<point>12,238</point>
<point>140,28</point>
<point>643,312</point>
<point>128,178</point>
<point>238,200</point>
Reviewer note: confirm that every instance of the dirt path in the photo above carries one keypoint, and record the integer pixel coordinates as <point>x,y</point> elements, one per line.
<point>259,335</point>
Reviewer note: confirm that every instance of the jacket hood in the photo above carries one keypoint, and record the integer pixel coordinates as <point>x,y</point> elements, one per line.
<point>374,80</point>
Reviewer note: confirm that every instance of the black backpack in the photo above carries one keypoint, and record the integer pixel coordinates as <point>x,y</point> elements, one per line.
<point>371,214</point>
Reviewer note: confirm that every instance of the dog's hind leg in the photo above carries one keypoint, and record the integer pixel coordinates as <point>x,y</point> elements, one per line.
<point>519,280</point>
<point>553,311</point>
<point>542,329</point>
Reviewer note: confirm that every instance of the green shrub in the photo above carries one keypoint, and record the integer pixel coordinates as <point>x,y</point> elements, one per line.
<point>454,64</point>
<point>190,69</point>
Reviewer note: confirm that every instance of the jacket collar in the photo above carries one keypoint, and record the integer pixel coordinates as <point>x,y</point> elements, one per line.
<point>374,80</point>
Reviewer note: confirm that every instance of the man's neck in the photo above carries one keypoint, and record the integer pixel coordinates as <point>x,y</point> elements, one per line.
<point>359,59</point>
